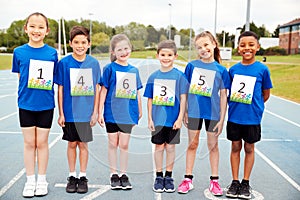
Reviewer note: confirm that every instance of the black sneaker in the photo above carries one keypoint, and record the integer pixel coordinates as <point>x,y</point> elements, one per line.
<point>125,184</point>
<point>72,184</point>
<point>245,191</point>
<point>115,182</point>
<point>233,189</point>
<point>82,185</point>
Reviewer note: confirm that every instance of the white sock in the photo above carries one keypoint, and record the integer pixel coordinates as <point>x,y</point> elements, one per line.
<point>72,174</point>
<point>31,179</point>
<point>41,178</point>
<point>81,174</point>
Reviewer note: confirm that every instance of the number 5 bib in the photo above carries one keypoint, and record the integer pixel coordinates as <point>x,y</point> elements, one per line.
<point>81,82</point>
<point>164,92</point>
<point>40,74</point>
<point>126,85</point>
<point>242,88</point>
<point>202,82</point>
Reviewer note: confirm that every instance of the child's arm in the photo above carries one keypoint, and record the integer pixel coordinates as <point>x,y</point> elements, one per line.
<point>178,122</point>
<point>61,118</point>
<point>140,104</point>
<point>223,108</point>
<point>102,98</point>
<point>150,121</point>
<point>266,94</point>
<point>96,106</point>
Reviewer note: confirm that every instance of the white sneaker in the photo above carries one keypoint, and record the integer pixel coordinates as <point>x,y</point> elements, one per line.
<point>41,189</point>
<point>29,189</point>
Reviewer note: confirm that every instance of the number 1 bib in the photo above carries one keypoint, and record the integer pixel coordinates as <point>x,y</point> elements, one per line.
<point>164,92</point>
<point>81,82</point>
<point>40,74</point>
<point>202,82</point>
<point>126,85</point>
<point>242,89</point>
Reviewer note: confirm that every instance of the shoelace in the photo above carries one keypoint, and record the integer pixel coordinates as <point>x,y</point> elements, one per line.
<point>215,184</point>
<point>184,182</point>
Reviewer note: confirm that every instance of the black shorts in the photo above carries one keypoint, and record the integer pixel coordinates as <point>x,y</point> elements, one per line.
<point>77,131</point>
<point>196,124</point>
<point>249,133</point>
<point>163,134</point>
<point>114,128</point>
<point>41,119</point>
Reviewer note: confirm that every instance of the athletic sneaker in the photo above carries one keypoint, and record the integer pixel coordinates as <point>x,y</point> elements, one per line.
<point>169,185</point>
<point>41,189</point>
<point>245,191</point>
<point>233,189</point>
<point>82,185</point>
<point>29,189</point>
<point>125,184</point>
<point>72,184</point>
<point>185,186</point>
<point>115,182</point>
<point>158,184</point>
<point>215,188</point>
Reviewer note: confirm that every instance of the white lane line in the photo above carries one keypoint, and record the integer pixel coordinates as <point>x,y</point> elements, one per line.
<point>280,117</point>
<point>8,95</point>
<point>7,116</point>
<point>22,172</point>
<point>289,101</point>
<point>274,166</point>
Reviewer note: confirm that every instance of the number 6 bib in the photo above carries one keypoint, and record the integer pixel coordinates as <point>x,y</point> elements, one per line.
<point>40,74</point>
<point>164,92</point>
<point>242,89</point>
<point>81,82</point>
<point>126,85</point>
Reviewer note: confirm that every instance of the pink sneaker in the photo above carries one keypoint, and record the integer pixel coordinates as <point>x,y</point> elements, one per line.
<point>185,186</point>
<point>215,188</point>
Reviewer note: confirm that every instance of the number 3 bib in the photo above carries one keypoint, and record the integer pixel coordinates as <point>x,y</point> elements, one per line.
<point>81,82</point>
<point>126,85</point>
<point>164,92</point>
<point>242,89</point>
<point>40,74</point>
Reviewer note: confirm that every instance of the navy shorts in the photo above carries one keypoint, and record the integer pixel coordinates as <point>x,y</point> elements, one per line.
<point>77,132</point>
<point>163,134</point>
<point>196,124</point>
<point>249,133</point>
<point>114,128</point>
<point>41,119</point>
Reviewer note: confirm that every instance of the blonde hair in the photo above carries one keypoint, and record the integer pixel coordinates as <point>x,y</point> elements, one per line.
<point>114,41</point>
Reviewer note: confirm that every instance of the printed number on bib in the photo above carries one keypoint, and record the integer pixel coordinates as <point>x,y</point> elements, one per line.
<point>202,82</point>
<point>40,74</point>
<point>242,89</point>
<point>126,85</point>
<point>164,92</point>
<point>81,82</point>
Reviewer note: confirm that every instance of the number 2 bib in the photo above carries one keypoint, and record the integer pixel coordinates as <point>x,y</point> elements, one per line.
<point>202,82</point>
<point>242,89</point>
<point>40,74</point>
<point>81,82</point>
<point>164,92</point>
<point>126,85</point>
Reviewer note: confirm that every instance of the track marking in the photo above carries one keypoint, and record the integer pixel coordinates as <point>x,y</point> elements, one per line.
<point>7,116</point>
<point>280,117</point>
<point>22,172</point>
<point>255,195</point>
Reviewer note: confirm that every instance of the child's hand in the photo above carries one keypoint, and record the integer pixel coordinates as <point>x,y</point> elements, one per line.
<point>93,119</point>
<point>151,125</point>
<point>177,124</point>
<point>218,128</point>
<point>101,120</point>
<point>61,121</point>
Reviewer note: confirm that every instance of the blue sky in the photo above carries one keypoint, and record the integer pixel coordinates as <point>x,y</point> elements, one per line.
<point>230,13</point>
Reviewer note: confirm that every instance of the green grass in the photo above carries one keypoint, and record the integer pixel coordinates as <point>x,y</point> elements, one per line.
<point>285,70</point>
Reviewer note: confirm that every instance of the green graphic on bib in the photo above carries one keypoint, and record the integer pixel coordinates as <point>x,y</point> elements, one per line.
<point>126,85</point>
<point>81,82</point>
<point>164,92</point>
<point>40,74</point>
<point>242,89</point>
<point>202,82</point>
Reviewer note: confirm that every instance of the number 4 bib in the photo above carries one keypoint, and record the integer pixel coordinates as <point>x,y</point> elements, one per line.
<point>40,74</point>
<point>242,89</point>
<point>81,82</point>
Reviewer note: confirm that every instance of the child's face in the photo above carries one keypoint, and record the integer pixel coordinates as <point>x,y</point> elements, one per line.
<point>36,29</point>
<point>166,58</point>
<point>248,46</point>
<point>80,45</point>
<point>205,48</point>
<point>122,51</point>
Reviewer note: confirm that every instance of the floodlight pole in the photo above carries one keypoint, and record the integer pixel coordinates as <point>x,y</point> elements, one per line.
<point>170,5</point>
<point>90,14</point>
<point>247,27</point>
<point>215,27</point>
<point>190,42</point>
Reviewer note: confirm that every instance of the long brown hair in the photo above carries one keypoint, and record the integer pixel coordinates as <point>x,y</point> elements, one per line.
<point>113,42</point>
<point>217,56</point>
<point>37,14</point>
